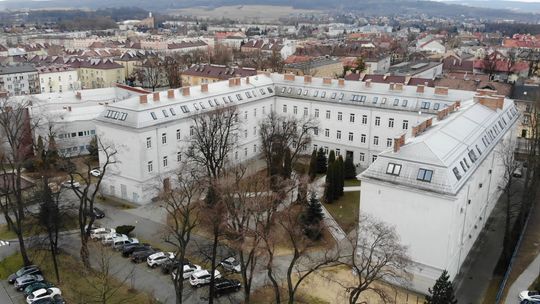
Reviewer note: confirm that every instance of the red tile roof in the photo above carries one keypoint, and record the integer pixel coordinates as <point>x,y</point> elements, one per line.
<point>503,66</point>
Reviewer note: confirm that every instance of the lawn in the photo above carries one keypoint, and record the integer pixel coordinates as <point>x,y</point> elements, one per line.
<point>32,227</point>
<point>352,182</point>
<point>9,265</point>
<point>345,210</point>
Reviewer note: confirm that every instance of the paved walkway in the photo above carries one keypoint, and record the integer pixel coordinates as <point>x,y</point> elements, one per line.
<point>523,281</point>
<point>318,187</point>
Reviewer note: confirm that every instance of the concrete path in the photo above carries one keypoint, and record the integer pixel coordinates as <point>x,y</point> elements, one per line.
<point>523,281</point>
<point>337,233</point>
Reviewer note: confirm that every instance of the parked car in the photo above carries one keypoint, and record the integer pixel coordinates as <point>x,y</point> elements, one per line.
<point>158,258</point>
<point>120,243</point>
<point>231,264</point>
<point>530,302</point>
<point>98,213</point>
<point>189,269</point>
<point>69,184</point>
<point>25,280</point>
<point>40,294</point>
<point>110,238</point>
<point>169,265</point>
<point>31,269</point>
<point>57,299</point>
<point>128,249</point>
<point>141,256</point>
<point>36,286</point>
<point>99,233</point>
<point>95,172</point>
<point>224,286</point>
<point>529,295</point>
<point>518,172</point>
<point>202,277</point>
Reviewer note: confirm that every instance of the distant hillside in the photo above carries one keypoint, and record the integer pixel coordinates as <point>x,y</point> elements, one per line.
<point>516,6</point>
<point>368,7</point>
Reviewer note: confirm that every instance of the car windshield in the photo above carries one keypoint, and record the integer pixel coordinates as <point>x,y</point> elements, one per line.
<point>20,272</point>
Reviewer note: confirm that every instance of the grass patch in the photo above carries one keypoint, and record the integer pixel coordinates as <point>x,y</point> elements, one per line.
<point>114,202</point>
<point>6,234</point>
<point>32,227</point>
<point>352,183</point>
<point>265,295</point>
<point>345,210</point>
<point>536,284</point>
<point>10,264</point>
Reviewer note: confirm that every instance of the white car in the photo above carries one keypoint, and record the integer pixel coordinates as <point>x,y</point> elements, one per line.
<point>202,277</point>
<point>118,243</point>
<point>41,294</point>
<point>189,269</point>
<point>529,295</point>
<point>99,233</point>
<point>69,184</point>
<point>231,264</point>
<point>110,238</point>
<point>95,172</point>
<point>158,258</point>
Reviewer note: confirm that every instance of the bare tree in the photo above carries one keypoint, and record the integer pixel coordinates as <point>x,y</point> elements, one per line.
<point>221,55</point>
<point>149,73</point>
<point>275,62</point>
<point>87,192</point>
<point>172,66</point>
<point>183,217</point>
<point>16,145</point>
<point>489,64</point>
<point>377,255</point>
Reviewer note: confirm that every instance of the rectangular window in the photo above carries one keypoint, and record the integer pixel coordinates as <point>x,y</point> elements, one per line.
<point>404,103</point>
<point>472,156</point>
<point>315,93</point>
<point>164,138</point>
<point>327,132</point>
<point>299,92</point>
<point>333,95</point>
<point>172,111</point>
<point>383,100</point>
<point>165,113</point>
<point>436,106</point>
<point>363,138</point>
<point>388,142</point>
<point>424,175</point>
<point>362,157</point>
<point>323,94</point>
<point>305,112</point>
<point>154,117</point>
<point>317,113</point>
<point>339,116</point>
<point>393,169</point>
<point>327,114</point>
<point>396,102</point>
<point>295,110</point>
<point>456,173</point>
<point>316,131</point>
<point>350,136</point>
<point>376,140</point>
<point>425,105</point>
<point>165,161</point>
<point>377,121</point>
<point>178,156</point>
<point>284,108</point>
<point>184,109</point>
<point>364,119</point>
<point>375,99</point>
<point>390,122</point>
<point>178,135</point>
<point>338,134</point>
<point>405,124</point>
<point>351,118</point>
<point>150,166</point>
<point>148,142</point>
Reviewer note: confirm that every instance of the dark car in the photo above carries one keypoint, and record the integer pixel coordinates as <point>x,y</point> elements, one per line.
<point>36,286</point>
<point>129,249</point>
<point>98,213</point>
<point>224,286</point>
<point>57,299</point>
<point>32,269</point>
<point>141,256</point>
<point>169,265</point>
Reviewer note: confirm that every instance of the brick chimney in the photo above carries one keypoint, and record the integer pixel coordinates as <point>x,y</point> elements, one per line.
<point>493,102</point>
<point>237,81</point>
<point>307,78</point>
<point>231,82</point>
<point>288,77</point>
<point>185,91</point>
<point>170,93</point>
<point>247,80</point>
<point>204,87</point>
<point>155,96</point>
<point>143,99</point>
<point>398,86</point>
<point>368,83</point>
<point>398,142</point>
<point>420,89</point>
<point>429,122</point>
<point>327,80</point>
<point>341,82</point>
<point>78,95</point>
<point>441,91</point>
<point>391,86</point>
<point>483,92</point>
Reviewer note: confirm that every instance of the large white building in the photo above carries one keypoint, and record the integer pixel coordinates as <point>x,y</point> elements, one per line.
<point>58,79</point>
<point>430,153</point>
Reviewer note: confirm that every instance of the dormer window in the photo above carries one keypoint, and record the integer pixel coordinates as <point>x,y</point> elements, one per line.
<point>456,173</point>
<point>154,117</point>
<point>424,175</point>
<point>393,169</point>
<point>165,113</point>
<point>282,90</point>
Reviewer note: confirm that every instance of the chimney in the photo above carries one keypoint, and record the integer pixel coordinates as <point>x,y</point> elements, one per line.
<point>327,80</point>
<point>341,82</point>
<point>204,87</point>
<point>78,95</point>
<point>368,83</point>
<point>288,77</point>
<point>398,86</point>
<point>185,91</point>
<point>484,92</point>
<point>441,91</point>
<point>429,122</point>
<point>247,80</point>
<point>420,89</point>
<point>237,81</point>
<point>391,87</point>
<point>143,99</point>
<point>398,142</point>
<point>231,82</point>
<point>457,104</point>
<point>415,130</point>
<point>170,93</point>
<point>155,96</point>
<point>307,78</point>
<point>493,102</point>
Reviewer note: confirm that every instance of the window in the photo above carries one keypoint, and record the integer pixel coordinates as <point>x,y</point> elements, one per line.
<point>255,130</point>
<point>350,136</point>
<point>388,142</point>
<point>165,161</point>
<point>270,90</point>
<point>305,112</point>
<point>316,131</point>
<point>254,148</point>
<point>393,169</point>
<point>248,94</point>
<point>425,105</point>
<point>375,99</point>
<point>289,91</point>
<point>163,138</point>
<point>338,152</point>
<point>316,112</point>
<point>396,102</point>
<point>327,114</point>
<point>383,100</point>
<point>184,109</point>
<point>154,117</point>
<point>463,166</point>
<point>255,112</point>
<point>284,108</point>
<point>315,93</point>
<point>339,116</point>
<point>299,92</point>
<point>264,110</point>
<point>390,122</point>
<point>424,175</point>
<point>364,119</point>
<point>363,138</point>
<point>362,157</point>
<point>323,94</point>
<point>436,106</point>
<point>405,124</point>
<point>343,95</point>
<point>376,140</point>
<point>165,113</point>
<point>150,166</point>
<point>325,150</point>
<point>377,121</point>
<point>327,132</point>
<point>456,173</point>
<point>148,142</point>
<point>178,156</point>
<point>333,95</point>
<point>338,134</point>
<point>262,92</point>
<point>191,131</point>
<point>472,156</point>
<point>295,110</point>
<point>351,117</point>
<point>172,111</point>
<point>404,103</point>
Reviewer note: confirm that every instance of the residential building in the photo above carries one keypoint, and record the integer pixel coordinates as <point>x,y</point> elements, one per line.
<point>100,73</point>
<point>58,79</point>
<point>207,73</point>
<point>317,67</point>
<point>19,80</point>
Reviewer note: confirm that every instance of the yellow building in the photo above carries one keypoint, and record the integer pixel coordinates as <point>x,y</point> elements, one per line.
<point>101,73</point>
<point>318,67</point>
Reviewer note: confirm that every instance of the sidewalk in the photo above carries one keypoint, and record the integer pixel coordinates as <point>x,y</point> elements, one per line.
<point>523,281</point>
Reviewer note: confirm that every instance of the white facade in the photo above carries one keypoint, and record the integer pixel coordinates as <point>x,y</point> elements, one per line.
<point>51,81</point>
